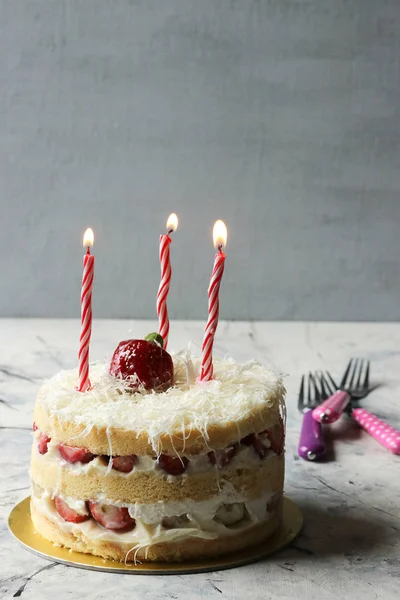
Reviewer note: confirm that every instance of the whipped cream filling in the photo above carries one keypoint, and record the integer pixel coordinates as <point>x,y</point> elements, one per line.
<point>200,511</point>
<point>209,519</point>
<point>200,463</point>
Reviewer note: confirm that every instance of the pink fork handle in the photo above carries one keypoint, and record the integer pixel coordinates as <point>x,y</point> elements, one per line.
<point>332,408</point>
<point>383,433</point>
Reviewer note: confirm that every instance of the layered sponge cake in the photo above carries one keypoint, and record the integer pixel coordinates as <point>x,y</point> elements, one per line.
<point>188,470</point>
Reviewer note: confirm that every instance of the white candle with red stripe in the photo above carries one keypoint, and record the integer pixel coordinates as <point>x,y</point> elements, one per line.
<point>220,236</point>
<point>162,295</point>
<point>86,312</point>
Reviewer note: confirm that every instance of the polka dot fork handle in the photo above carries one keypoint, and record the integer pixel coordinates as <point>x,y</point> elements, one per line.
<point>353,386</point>
<point>382,432</point>
<point>331,409</point>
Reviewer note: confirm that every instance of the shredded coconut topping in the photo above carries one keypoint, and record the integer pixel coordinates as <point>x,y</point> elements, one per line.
<point>235,393</point>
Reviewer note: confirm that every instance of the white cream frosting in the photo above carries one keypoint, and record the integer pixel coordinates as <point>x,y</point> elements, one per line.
<point>236,391</point>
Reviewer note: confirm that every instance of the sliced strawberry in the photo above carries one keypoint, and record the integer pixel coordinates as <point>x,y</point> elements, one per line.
<point>222,458</point>
<point>276,436</point>
<point>43,441</point>
<point>256,441</point>
<point>248,440</point>
<point>124,464</point>
<point>173,465</point>
<point>112,517</point>
<point>34,426</point>
<point>73,454</point>
<point>68,513</point>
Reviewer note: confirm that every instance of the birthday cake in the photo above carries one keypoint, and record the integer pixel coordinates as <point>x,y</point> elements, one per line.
<point>151,464</point>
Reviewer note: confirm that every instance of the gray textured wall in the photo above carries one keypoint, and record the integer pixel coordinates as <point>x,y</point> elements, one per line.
<point>281,117</point>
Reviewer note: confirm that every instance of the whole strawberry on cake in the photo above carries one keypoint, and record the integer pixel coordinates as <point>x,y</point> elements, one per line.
<point>151,464</point>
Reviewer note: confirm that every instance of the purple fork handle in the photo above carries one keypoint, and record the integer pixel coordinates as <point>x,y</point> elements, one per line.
<point>332,408</point>
<point>312,443</point>
<point>382,432</point>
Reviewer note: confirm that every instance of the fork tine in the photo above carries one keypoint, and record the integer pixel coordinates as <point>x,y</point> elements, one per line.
<point>351,383</point>
<point>308,388</point>
<point>317,395</point>
<point>311,390</point>
<point>332,387</point>
<point>300,402</point>
<point>324,393</point>
<point>360,370</point>
<point>346,373</point>
<point>318,388</point>
<point>327,385</point>
<point>366,380</point>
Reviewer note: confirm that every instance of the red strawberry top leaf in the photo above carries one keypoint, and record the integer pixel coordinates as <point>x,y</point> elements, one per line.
<point>143,364</point>
<point>173,465</point>
<point>276,436</point>
<point>116,518</point>
<point>73,454</point>
<point>68,513</point>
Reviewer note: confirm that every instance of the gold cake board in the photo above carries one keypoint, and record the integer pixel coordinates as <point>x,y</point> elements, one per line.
<point>21,527</point>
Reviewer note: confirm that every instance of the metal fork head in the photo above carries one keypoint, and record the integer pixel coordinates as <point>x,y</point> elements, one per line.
<point>312,392</point>
<point>355,380</point>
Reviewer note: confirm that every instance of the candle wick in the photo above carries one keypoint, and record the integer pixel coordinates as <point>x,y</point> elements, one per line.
<point>220,248</point>
<point>88,250</point>
<point>170,231</point>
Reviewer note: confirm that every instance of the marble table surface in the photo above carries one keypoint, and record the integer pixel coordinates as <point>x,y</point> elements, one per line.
<point>350,545</point>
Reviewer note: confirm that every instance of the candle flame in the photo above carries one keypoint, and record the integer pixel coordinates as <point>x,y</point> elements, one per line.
<point>172,222</point>
<point>220,234</point>
<point>88,238</point>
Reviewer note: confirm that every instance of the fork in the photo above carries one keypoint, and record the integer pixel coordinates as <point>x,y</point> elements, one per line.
<point>354,385</point>
<point>311,443</point>
<point>382,432</point>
